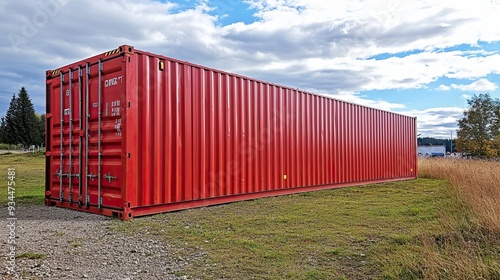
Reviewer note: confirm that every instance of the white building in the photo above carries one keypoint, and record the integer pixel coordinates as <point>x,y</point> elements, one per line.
<point>431,151</point>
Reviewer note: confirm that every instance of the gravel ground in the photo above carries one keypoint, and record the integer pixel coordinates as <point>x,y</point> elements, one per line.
<point>77,245</point>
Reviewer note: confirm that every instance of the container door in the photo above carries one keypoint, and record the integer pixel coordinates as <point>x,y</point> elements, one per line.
<point>103,133</point>
<point>64,138</point>
<point>84,137</point>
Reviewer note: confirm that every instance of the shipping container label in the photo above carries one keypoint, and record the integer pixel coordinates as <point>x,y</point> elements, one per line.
<point>115,108</point>
<point>118,127</point>
<point>113,81</point>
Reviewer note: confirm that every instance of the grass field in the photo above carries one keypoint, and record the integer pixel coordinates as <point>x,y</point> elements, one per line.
<point>471,247</point>
<point>29,178</point>
<point>435,227</point>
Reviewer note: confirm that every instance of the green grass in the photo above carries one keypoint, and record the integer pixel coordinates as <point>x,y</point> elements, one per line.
<point>77,242</point>
<point>31,256</point>
<point>404,230</point>
<point>4,146</point>
<point>374,232</point>
<point>29,178</point>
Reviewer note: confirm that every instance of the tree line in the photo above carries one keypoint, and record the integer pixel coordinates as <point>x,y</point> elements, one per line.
<point>21,125</point>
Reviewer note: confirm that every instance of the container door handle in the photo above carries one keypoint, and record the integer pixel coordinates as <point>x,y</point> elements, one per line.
<point>109,177</point>
<point>91,176</point>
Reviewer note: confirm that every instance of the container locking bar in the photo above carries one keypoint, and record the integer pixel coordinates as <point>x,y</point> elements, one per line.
<point>99,109</point>
<point>80,74</point>
<point>70,93</point>
<point>87,117</point>
<point>61,128</point>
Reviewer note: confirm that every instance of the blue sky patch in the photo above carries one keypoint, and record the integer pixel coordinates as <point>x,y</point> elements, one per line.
<point>232,11</point>
<point>383,56</point>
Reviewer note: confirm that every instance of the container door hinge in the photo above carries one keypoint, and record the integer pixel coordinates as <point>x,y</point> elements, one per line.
<point>109,177</point>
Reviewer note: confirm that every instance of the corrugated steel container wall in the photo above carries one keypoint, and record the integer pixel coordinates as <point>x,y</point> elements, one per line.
<point>143,133</point>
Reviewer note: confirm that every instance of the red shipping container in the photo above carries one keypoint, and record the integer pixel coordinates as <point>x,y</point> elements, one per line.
<point>131,133</point>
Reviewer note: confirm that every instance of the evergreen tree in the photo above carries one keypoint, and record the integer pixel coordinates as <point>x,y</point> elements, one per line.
<point>9,133</point>
<point>21,125</point>
<point>26,121</point>
<point>2,131</point>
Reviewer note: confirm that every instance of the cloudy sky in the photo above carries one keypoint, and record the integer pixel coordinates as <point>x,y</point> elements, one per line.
<point>420,58</point>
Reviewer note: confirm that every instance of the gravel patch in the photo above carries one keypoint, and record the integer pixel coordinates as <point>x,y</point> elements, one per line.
<point>59,243</point>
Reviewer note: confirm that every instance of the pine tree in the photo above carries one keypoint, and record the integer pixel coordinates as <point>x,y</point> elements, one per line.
<point>21,125</point>
<point>26,122</point>
<point>9,133</point>
<point>2,131</point>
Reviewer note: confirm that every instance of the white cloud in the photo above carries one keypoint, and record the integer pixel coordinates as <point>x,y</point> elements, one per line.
<point>297,43</point>
<point>479,85</point>
<point>443,88</point>
<point>436,122</point>
<point>366,28</point>
<point>366,101</point>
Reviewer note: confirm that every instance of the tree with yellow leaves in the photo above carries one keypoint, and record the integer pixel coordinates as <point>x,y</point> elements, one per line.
<point>479,129</point>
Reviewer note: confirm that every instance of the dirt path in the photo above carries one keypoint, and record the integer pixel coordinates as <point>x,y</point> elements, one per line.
<point>11,152</point>
<point>55,243</point>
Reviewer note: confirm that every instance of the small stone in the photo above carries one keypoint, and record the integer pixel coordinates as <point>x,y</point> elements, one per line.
<point>85,276</point>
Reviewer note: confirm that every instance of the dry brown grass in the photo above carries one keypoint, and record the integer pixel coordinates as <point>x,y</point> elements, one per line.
<point>469,247</point>
<point>476,182</point>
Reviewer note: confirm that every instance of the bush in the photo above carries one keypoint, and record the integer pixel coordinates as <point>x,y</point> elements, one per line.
<point>10,147</point>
